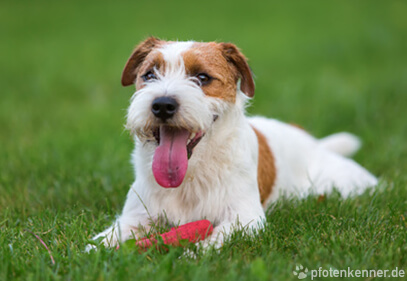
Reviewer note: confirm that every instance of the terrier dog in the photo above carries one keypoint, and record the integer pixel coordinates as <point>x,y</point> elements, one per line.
<point>197,155</point>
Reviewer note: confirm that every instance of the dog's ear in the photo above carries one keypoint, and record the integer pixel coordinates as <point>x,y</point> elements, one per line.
<point>136,58</point>
<point>238,60</point>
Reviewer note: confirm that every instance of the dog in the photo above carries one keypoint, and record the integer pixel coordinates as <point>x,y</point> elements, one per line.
<point>197,156</point>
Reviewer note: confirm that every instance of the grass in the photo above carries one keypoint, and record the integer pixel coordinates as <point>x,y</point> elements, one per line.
<point>64,165</point>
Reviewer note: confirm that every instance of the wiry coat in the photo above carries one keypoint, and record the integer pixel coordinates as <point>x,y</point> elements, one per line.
<point>226,182</point>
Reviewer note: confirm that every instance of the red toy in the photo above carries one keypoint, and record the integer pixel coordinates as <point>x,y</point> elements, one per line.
<point>193,232</point>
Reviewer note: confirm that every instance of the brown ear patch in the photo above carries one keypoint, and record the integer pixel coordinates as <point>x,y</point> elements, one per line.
<point>136,58</point>
<point>266,170</point>
<point>239,61</point>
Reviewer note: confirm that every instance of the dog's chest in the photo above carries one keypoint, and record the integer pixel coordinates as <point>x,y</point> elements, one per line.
<point>221,174</point>
<point>189,203</point>
<point>207,191</point>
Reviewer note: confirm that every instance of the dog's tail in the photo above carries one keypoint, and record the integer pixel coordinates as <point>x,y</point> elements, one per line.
<point>343,143</point>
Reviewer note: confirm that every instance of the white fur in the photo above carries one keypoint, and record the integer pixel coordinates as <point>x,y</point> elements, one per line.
<point>306,165</point>
<point>341,143</point>
<point>221,180</point>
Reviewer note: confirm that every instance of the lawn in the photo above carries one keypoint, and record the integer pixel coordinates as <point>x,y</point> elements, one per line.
<point>64,154</point>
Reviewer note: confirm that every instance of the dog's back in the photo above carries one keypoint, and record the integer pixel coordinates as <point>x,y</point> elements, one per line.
<point>306,165</point>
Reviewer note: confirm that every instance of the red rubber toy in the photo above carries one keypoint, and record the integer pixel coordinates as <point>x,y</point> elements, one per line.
<point>193,232</point>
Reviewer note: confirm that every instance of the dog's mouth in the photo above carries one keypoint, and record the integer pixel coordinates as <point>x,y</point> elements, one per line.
<point>175,147</point>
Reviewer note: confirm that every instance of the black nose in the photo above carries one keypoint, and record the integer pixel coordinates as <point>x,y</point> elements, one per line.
<point>164,107</point>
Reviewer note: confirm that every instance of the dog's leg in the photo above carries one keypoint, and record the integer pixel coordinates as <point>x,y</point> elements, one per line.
<point>223,230</point>
<point>134,216</point>
<point>329,170</point>
<point>220,233</point>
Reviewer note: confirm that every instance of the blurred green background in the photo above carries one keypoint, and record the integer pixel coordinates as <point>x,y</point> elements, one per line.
<point>326,65</point>
<point>65,168</point>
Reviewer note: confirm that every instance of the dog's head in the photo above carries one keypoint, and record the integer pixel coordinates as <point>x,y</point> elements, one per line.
<point>182,89</point>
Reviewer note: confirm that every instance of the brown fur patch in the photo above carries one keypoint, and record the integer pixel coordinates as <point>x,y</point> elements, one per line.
<point>266,170</point>
<point>222,61</point>
<point>239,61</point>
<point>138,56</point>
<point>208,58</point>
<point>154,60</point>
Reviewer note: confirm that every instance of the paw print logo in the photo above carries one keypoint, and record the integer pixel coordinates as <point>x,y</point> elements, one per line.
<point>299,270</point>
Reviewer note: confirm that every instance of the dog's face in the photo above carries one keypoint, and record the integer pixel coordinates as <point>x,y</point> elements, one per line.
<point>182,89</point>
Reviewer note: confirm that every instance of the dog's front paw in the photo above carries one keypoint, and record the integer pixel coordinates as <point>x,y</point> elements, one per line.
<point>189,254</point>
<point>112,236</point>
<point>97,242</point>
<point>89,248</point>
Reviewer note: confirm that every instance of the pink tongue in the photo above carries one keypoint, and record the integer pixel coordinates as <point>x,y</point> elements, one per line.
<point>170,161</point>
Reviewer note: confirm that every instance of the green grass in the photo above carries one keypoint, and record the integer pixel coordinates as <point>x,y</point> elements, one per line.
<point>64,155</point>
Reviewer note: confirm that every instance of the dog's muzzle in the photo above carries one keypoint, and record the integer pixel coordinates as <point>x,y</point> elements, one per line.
<point>175,144</point>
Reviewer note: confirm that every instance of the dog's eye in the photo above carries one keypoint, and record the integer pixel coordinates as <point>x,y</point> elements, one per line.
<point>149,76</point>
<point>203,78</point>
